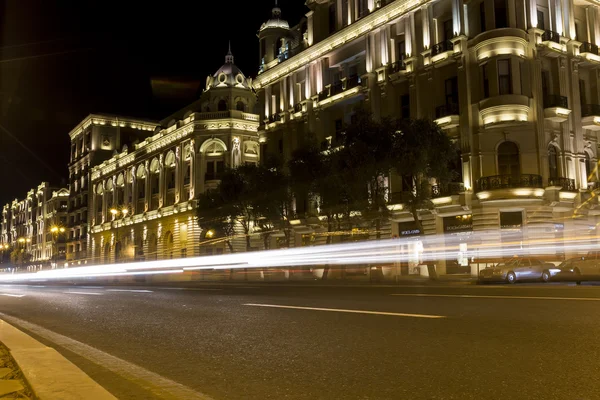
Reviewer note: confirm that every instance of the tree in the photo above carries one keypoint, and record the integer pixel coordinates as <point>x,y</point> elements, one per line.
<point>214,214</point>
<point>368,155</point>
<point>232,202</point>
<point>423,152</point>
<point>273,209</point>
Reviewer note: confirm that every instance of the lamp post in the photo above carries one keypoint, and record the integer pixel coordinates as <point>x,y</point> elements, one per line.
<point>4,249</point>
<point>56,230</point>
<point>116,213</point>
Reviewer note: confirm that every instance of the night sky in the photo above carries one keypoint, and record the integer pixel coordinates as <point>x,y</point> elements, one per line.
<point>62,60</point>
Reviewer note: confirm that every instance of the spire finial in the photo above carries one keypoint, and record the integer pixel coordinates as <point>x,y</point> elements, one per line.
<point>229,56</point>
<point>276,11</point>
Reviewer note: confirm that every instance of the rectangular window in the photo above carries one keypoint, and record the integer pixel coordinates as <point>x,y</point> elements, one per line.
<point>546,83</point>
<point>504,77</point>
<point>500,14</point>
<point>451,89</point>
<point>482,16</point>
<point>486,81</point>
<point>405,106</point>
<point>582,96</point>
<point>332,17</point>
<point>362,8</point>
<point>401,51</point>
<point>540,20</point>
<point>345,12</point>
<point>280,145</point>
<point>448,30</point>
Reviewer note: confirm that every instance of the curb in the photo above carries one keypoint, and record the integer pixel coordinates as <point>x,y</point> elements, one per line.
<point>49,375</point>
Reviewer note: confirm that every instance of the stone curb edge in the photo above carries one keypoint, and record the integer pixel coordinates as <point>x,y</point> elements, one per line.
<point>49,374</point>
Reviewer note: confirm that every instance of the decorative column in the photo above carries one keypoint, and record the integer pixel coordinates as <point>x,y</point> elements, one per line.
<point>310,27</point>
<point>533,18</point>
<point>148,195</point>
<point>178,174</point>
<point>134,191</point>
<point>192,169</point>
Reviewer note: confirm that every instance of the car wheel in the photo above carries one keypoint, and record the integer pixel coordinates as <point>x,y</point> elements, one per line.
<point>577,273</point>
<point>511,277</point>
<point>546,276</point>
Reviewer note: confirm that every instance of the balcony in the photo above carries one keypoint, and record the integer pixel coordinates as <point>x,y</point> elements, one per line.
<point>501,41</point>
<point>554,44</point>
<point>274,118</point>
<point>339,90</point>
<point>447,116</point>
<point>550,36</point>
<point>502,187</point>
<point>298,108</point>
<point>447,189</point>
<point>556,108</point>
<point>398,66</point>
<point>589,52</point>
<point>590,117</point>
<point>440,52</point>
<point>565,184</point>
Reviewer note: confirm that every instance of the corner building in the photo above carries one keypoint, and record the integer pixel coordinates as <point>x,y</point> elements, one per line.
<point>158,179</point>
<point>514,82</point>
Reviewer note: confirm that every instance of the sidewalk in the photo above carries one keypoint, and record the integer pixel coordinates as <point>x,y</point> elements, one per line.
<point>41,372</point>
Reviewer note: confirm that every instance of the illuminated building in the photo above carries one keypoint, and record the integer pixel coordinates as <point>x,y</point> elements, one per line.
<point>26,224</point>
<point>96,139</point>
<point>514,83</point>
<point>158,179</point>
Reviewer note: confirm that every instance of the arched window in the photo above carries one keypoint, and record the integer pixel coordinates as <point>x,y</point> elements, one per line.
<point>168,245</point>
<point>552,162</point>
<point>240,106</point>
<point>154,183</point>
<point>588,166</point>
<point>120,190</point>
<point>170,178</point>
<point>508,159</point>
<point>222,105</point>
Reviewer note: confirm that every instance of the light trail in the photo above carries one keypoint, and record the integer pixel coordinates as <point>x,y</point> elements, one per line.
<point>480,246</point>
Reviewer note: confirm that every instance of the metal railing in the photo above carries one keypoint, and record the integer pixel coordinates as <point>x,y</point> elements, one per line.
<point>447,189</point>
<point>587,47</point>
<point>441,47</point>
<point>590,109</point>
<point>508,182</point>
<point>555,100</point>
<point>398,66</point>
<point>274,117</point>
<point>352,81</point>
<point>446,109</point>
<point>297,107</point>
<point>550,36</point>
<point>566,184</point>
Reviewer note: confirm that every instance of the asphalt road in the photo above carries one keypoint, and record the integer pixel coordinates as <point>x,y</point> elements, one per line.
<point>243,342</point>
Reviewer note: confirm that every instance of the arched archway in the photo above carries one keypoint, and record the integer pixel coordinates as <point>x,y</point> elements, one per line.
<point>588,166</point>
<point>553,173</point>
<point>509,162</point>
<point>168,245</point>
<point>222,106</point>
<point>106,253</point>
<point>118,252</point>
<point>152,247</point>
<point>240,106</point>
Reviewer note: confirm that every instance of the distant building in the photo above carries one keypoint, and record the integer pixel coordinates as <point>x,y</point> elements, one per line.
<point>26,226</point>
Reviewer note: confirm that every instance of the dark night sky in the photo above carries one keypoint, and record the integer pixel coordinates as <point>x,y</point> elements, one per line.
<point>62,60</point>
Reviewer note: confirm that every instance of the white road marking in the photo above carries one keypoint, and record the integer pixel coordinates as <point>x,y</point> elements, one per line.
<point>12,295</point>
<point>129,290</point>
<point>38,286</point>
<point>347,311</point>
<point>92,293</point>
<point>154,383</point>
<point>471,296</point>
<point>92,287</point>
<point>182,288</point>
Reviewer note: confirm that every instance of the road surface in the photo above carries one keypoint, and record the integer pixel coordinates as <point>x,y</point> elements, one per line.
<point>249,341</point>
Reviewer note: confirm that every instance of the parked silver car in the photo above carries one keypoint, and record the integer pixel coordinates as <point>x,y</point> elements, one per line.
<point>581,268</point>
<point>519,269</point>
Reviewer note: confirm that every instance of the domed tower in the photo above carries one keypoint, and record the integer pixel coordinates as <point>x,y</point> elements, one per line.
<point>273,36</point>
<point>228,89</point>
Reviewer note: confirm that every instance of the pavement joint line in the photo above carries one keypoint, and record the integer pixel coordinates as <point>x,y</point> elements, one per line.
<point>342,310</point>
<point>12,295</point>
<point>130,290</point>
<point>157,384</point>
<point>472,296</point>
<point>48,373</point>
<point>90,293</point>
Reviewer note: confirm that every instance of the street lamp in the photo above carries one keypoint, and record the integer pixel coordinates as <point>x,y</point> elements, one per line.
<point>56,230</point>
<point>116,212</point>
